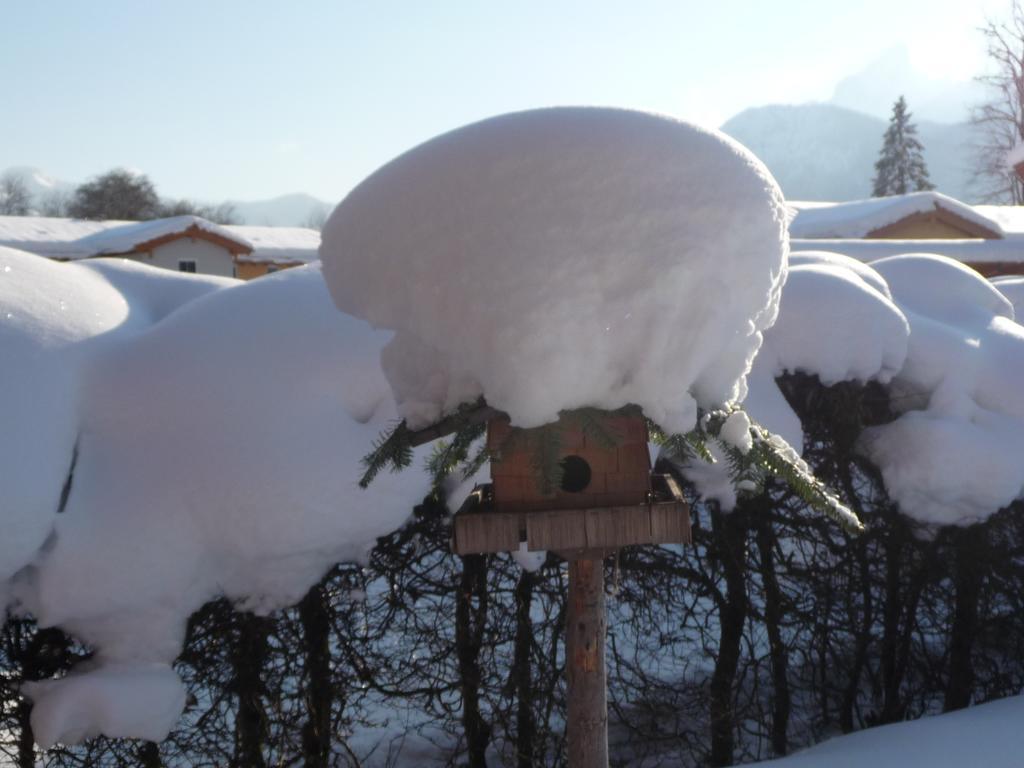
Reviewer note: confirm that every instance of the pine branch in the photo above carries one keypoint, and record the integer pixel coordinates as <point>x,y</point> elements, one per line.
<point>770,455</point>
<point>779,459</point>
<point>690,445</point>
<point>391,448</point>
<point>449,454</point>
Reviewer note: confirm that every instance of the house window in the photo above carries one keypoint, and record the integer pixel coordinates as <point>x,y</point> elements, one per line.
<point>271,268</point>
<point>187,265</point>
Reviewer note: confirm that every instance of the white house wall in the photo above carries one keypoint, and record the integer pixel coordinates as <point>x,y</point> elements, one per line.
<point>210,259</point>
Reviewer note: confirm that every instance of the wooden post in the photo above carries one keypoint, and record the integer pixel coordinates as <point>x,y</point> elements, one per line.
<point>586,625</point>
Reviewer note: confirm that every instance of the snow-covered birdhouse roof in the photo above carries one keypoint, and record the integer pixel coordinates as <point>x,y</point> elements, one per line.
<point>888,217</point>
<point>545,260</point>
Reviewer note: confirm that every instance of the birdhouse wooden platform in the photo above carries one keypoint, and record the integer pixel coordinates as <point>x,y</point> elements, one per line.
<point>607,497</point>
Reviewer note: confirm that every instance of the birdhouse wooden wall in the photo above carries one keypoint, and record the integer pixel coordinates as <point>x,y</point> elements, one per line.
<point>596,472</point>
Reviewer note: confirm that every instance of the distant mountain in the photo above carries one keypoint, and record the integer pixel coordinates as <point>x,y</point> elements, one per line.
<point>296,210</point>
<point>825,152</point>
<point>40,184</point>
<point>875,89</point>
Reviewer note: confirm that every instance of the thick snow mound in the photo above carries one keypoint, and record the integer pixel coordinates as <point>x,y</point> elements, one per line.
<point>862,270</point>
<point>218,455</point>
<point>835,321</point>
<point>270,444</point>
<point>48,312</point>
<point>954,456</point>
<point>154,292</point>
<point>941,287</point>
<point>837,325</point>
<point>53,318</point>
<point>141,701</point>
<point>1012,287</point>
<point>564,257</point>
<point>934,484</point>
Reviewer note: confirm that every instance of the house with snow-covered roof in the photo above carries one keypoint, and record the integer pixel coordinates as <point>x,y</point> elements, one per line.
<point>181,243</point>
<point>989,238</point>
<point>914,216</point>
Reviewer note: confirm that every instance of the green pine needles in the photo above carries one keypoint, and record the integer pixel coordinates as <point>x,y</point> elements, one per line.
<point>391,449</point>
<point>753,454</point>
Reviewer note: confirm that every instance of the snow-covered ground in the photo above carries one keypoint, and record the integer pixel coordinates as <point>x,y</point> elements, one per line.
<point>987,736</point>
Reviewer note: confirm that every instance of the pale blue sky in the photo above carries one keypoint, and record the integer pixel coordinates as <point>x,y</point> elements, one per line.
<point>248,99</point>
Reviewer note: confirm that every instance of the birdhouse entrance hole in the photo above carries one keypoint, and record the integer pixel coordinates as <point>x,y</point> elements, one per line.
<point>575,474</point>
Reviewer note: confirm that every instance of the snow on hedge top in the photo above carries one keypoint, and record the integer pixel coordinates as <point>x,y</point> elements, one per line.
<point>862,270</point>
<point>954,456</point>
<point>564,257</point>
<point>271,498</point>
<point>837,321</point>
<point>53,318</point>
<point>152,292</point>
<point>1012,287</point>
<point>838,326</point>
<point>968,251</point>
<point>861,217</point>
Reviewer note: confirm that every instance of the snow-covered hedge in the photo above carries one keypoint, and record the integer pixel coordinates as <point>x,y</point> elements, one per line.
<point>168,439</point>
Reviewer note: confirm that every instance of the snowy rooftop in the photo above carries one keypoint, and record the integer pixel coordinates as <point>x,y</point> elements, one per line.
<point>56,238</point>
<point>279,244</point>
<point>80,239</point>
<point>128,237</point>
<point>859,218</point>
<point>1009,217</point>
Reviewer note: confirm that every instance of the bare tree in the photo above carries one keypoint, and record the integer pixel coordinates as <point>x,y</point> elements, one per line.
<point>1000,120</point>
<point>117,194</point>
<point>222,213</point>
<point>15,197</point>
<point>316,219</point>
<point>55,203</point>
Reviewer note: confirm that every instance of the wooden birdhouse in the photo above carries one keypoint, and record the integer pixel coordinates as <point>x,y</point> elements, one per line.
<point>602,496</point>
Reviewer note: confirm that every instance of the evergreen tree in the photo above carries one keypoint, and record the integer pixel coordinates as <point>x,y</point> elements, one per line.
<point>900,167</point>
